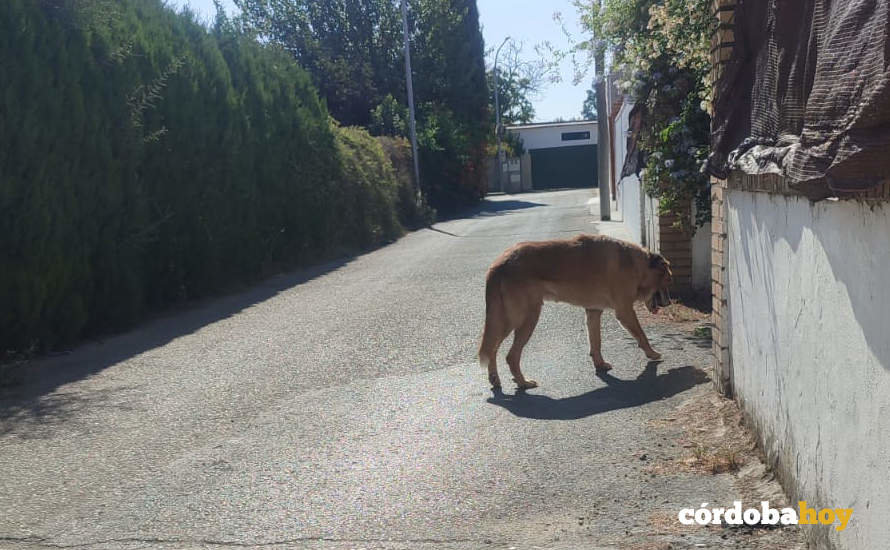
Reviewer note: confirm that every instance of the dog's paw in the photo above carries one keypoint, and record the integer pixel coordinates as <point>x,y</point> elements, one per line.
<point>653,355</point>
<point>603,367</point>
<point>495,382</point>
<point>526,384</point>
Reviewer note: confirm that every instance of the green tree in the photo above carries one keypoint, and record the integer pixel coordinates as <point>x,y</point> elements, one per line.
<point>353,49</point>
<point>390,118</point>
<point>514,97</point>
<point>588,108</point>
<point>452,94</point>
<point>350,47</point>
<point>520,81</point>
<point>147,160</point>
<point>661,52</point>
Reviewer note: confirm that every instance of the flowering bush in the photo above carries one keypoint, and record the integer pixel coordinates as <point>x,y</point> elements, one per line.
<point>673,166</point>
<point>661,50</point>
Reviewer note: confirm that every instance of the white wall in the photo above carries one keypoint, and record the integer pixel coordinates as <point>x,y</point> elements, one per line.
<point>526,172</point>
<point>640,214</point>
<point>641,221</point>
<point>628,192</point>
<point>619,135</point>
<point>545,136</point>
<point>623,202</point>
<point>809,324</point>
<point>511,175</point>
<point>630,206</point>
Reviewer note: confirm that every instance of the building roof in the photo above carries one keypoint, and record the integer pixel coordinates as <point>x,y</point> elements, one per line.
<point>551,124</point>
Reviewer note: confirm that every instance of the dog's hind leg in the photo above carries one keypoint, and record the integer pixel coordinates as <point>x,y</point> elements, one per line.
<point>594,322</point>
<point>520,338</point>
<point>497,327</point>
<point>628,318</point>
<point>488,355</point>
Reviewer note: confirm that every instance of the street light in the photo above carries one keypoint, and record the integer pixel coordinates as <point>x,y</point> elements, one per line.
<point>603,122</point>
<point>497,112</point>
<point>410,84</point>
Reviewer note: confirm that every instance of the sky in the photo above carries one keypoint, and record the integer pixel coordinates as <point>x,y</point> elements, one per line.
<point>526,21</point>
<point>531,22</point>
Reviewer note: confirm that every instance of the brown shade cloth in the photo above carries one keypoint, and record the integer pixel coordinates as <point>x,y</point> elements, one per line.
<point>633,160</point>
<point>805,94</point>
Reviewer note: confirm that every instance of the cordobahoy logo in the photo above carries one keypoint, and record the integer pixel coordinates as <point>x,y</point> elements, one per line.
<point>766,515</point>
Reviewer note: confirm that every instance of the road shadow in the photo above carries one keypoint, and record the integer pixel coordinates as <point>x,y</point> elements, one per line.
<point>618,394</point>
<point>679,341</point>
<point>26,399</point>
<point>38,417</point>
<point>488,208</point>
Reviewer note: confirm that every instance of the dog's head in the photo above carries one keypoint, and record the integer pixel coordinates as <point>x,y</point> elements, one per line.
<point>658,281</point>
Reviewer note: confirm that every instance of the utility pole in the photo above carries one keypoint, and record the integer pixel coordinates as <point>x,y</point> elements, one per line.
<point>413,126</point>
<point>603,134</point>
<point>497,115</point>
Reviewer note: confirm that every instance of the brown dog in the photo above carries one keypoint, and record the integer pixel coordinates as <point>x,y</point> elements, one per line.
<point>593,272</point>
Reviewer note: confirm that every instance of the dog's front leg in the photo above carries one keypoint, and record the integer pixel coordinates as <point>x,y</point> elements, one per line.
<point>594,320</point>
<point>628,318</point>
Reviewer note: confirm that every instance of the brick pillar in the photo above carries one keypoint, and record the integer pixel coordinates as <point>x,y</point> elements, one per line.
<point>721,49</point>
<point>720,310</point>
<point>676,246</point>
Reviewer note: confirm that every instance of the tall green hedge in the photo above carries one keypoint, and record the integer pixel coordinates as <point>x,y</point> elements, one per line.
<point>354,53</point>
<point>146,159</point>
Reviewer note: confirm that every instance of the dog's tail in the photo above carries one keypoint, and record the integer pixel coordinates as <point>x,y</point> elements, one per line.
<point>495,320</point>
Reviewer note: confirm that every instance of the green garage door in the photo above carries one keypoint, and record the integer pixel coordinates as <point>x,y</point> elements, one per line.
<point>564,167</point>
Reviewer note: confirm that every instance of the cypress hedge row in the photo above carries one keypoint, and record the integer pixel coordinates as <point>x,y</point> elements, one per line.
<point>146,159</point>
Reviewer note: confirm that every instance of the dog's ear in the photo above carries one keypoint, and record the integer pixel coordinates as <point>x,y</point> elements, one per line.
<point>657,261</point>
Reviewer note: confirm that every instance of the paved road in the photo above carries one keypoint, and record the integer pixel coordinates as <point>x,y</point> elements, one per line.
<point>342,407</point>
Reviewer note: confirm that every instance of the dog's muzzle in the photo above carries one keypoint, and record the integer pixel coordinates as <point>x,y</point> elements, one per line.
<point>660,299</point>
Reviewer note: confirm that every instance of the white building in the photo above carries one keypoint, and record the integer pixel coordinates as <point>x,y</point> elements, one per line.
<point>557,155</point>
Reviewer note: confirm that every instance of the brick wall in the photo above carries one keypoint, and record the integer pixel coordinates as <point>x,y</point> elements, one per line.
<point>721,49</point>
<point>719,312</point>
<point>722,44</point>
<point>676,246</point>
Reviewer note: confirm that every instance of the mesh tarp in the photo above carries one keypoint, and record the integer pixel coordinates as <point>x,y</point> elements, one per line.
<point>633,160</point>
<point>805,95</point>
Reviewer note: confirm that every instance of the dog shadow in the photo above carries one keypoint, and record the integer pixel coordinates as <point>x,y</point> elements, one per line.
<point>618,394</point>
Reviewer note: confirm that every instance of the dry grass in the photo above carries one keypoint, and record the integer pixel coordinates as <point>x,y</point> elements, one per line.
<point>651,546</point>
<point>682,313</point>
<point>664,522</point>
<point>712,434</point>
<point>714,461</point>
<point>692,308</point>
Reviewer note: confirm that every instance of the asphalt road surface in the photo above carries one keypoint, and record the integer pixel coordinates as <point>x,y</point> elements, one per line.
<point>342,407</point>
